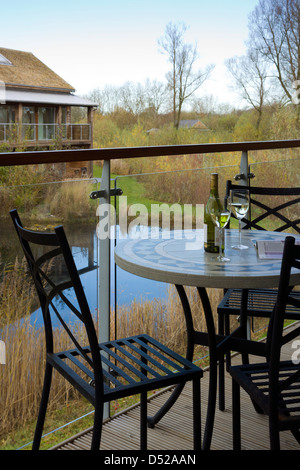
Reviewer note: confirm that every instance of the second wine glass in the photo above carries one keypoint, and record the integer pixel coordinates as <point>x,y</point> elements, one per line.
<point>239,205</point>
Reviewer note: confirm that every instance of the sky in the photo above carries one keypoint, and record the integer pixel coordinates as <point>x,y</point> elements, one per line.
<point>94,43</point>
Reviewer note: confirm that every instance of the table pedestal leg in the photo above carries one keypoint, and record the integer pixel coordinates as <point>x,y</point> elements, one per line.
<point>191,341</point>
<point>152,420</point>
<point>244,327</point>
<point>213,368</point>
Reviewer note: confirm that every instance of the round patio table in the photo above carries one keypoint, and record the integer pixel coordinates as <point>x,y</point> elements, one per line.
<point>179,258</point>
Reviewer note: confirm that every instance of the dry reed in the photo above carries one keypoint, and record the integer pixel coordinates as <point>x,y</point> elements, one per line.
<point>70,198</point>
<point>164,319</point>
<point>21,377</point>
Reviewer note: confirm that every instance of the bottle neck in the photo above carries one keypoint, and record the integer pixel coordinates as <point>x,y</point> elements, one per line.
<point>214,185</point>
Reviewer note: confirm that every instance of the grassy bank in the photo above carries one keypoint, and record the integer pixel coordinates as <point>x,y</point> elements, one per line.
<point>132,187</point>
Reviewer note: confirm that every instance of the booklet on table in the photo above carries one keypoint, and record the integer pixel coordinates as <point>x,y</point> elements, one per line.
<point>271,249</point>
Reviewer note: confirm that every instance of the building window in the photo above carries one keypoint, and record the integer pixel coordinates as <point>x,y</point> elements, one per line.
<point>4,60</point>
<point>7,121</point>
<point>63,124</point>
<point>28,122</point>
<point>46,119</point>
<point>7,114</point>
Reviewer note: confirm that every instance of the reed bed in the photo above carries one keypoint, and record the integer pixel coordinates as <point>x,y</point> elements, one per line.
<point>69,201</point>
<point>164,320</point>
<point>22,377</point>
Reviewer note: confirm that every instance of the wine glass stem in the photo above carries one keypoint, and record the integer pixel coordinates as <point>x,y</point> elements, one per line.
<point>220,242</point>
<point>240,232</point>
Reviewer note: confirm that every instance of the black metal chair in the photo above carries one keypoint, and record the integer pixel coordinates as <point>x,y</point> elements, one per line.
<point>100,372</point>
<point>281,208</point>
<point>274,385</point>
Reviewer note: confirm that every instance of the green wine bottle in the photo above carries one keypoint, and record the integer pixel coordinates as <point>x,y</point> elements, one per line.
<point>210,240</point>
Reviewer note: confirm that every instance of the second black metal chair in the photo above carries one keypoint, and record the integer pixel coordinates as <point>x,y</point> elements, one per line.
<point>100,372</point>
<point>274,385</point>
<point>280,208</point>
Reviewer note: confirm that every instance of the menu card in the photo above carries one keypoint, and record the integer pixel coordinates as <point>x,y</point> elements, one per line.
<point>271,249</point>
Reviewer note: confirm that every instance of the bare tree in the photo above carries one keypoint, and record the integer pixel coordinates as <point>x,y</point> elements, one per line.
<point>106,98</point>
<point>182,80</point>
<point>155,93</point>
<point>250,80</point>
<point>275,33</point>
<point>132,97</point>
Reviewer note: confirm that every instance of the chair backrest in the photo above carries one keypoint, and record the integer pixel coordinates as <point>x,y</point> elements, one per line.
<point>281,206</point>
<point>59,289</point>
<point>285,296</point>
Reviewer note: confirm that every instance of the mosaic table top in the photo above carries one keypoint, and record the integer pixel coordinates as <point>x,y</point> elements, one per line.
<point>179,258</point>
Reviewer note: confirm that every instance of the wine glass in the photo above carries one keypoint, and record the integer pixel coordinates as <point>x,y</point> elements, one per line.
<point>239,205</point>
<point>220,216</point>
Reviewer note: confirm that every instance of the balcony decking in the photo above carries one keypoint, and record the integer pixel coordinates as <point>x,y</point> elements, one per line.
<point>174,431</point>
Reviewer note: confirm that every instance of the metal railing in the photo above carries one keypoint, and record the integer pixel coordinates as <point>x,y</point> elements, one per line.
<point>109,154</point>
<point>10,132</point>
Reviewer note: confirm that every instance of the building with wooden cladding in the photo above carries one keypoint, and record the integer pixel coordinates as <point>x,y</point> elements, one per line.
<point>39,110</point>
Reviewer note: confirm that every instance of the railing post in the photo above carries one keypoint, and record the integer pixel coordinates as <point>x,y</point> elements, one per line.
<point>243,176</point>
<point>104,277</point>
<point>104,267</point>
<point>244,181</point>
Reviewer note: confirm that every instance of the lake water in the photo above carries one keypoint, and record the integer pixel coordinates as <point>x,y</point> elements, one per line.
<point>125,287</point>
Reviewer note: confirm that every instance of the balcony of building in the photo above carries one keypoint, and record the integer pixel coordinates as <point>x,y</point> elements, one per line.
<point>46,135</point>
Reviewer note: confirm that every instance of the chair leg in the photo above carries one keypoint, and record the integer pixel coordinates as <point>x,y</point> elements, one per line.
<point>274,441</point>
<point>143,417</point>
<point>274,429</point>
<point>221,367</point>
<point>97,431</point>
<point>224,329</point>
<point>296,435</point>
<point>143,424</point>
<point>43,407</point>
<point>227,332</point>
<point>236,416</point>
<point>197,415</point>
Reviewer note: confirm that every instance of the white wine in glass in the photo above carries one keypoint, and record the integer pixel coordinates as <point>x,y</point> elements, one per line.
<point>239,205</point>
